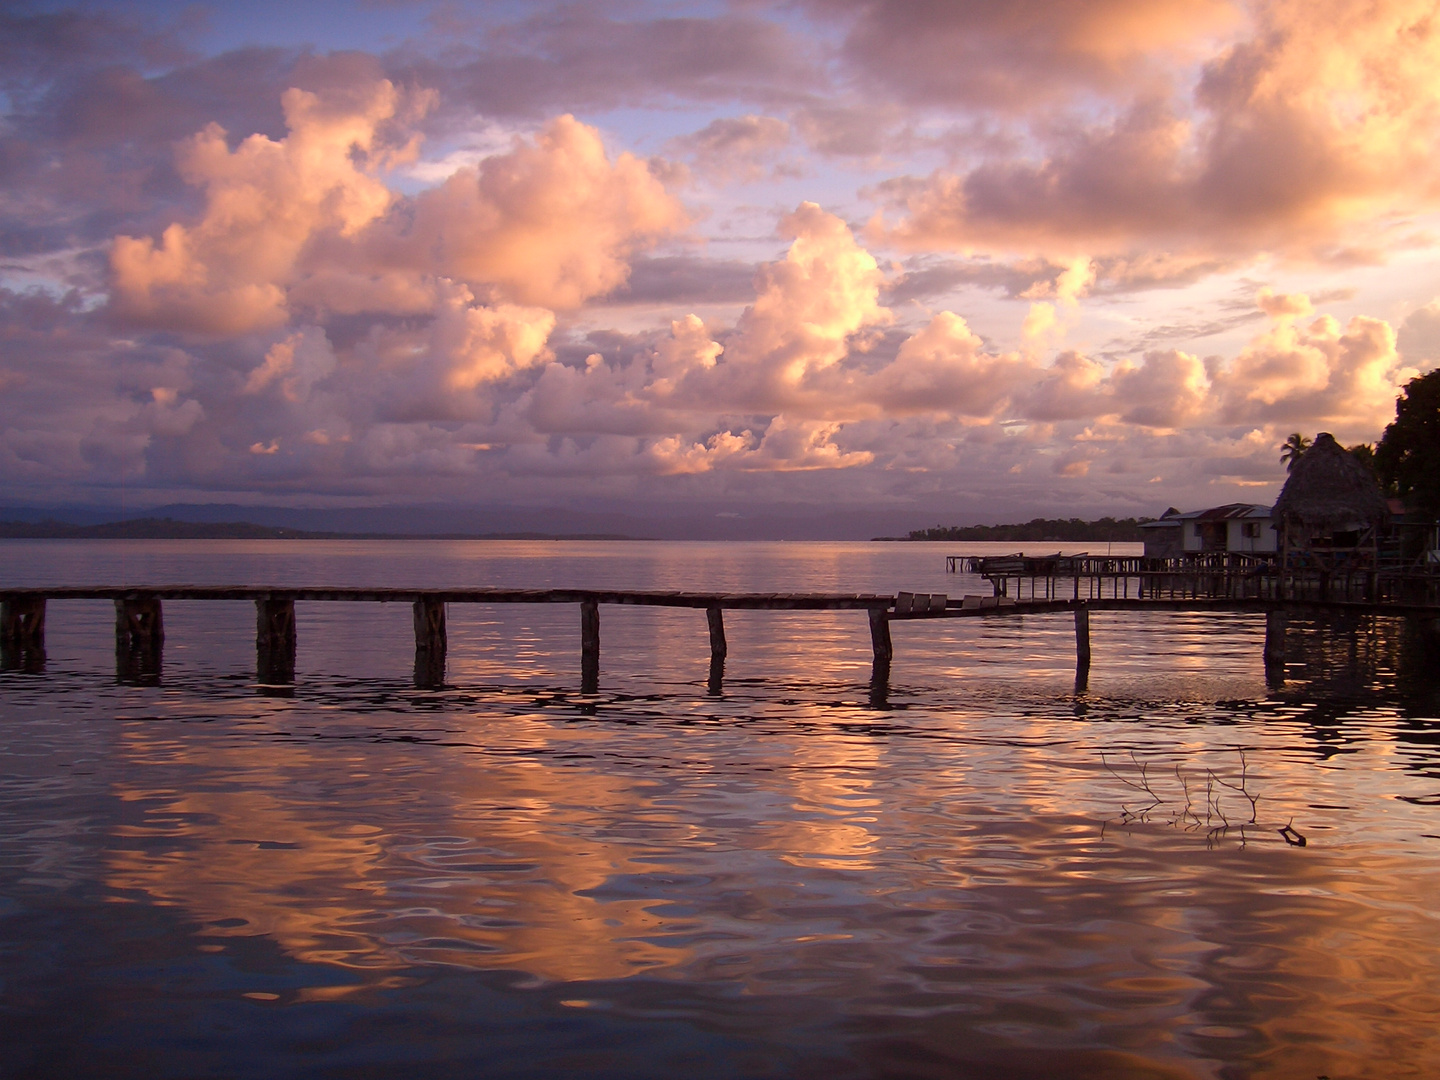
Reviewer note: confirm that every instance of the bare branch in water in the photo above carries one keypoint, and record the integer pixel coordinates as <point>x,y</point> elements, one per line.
<point>1216,821</point>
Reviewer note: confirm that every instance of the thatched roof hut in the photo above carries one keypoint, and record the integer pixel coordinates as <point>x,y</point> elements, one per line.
<point>1329,490</point>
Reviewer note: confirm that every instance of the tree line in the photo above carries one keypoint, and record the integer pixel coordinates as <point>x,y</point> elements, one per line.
<point>1038,530</point>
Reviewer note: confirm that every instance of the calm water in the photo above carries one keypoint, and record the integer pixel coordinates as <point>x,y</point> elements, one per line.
<point>985,875</point>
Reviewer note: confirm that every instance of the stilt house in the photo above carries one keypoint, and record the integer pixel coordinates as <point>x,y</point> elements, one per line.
<point>1330,511</point>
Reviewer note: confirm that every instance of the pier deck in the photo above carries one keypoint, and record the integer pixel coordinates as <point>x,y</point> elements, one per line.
<point>140,634</point>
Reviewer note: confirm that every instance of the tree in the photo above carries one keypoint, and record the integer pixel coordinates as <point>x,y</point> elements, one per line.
<point>1408,455</point>
<point>1363,453</point>
<point>1294,446</point>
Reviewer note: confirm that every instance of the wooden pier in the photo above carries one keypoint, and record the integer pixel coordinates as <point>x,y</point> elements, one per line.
<point>140,626</point>
<point>1219,575</point>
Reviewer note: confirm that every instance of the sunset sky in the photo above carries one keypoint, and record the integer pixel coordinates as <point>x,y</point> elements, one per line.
<point>965,261</point>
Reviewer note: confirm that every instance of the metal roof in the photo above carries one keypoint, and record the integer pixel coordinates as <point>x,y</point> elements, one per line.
<point>1228,512</point>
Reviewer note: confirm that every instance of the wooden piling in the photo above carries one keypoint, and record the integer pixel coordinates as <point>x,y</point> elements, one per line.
<point>589,647</point>
<point>430,642</point>
<point>22,622</point>
<point>880,641</point>
<point>139,621</point>
<point>1275,638</point>
<point>275,640</point>
<point>139,639</point>
<point>716,619</point>
<point>1082,636</point>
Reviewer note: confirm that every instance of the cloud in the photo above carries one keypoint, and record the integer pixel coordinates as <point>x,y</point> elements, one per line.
<point>294,365</point>
<point>1012,55</point>
<point>1167,389</point>
<point>265,201</point>
<point>684,279</point>
<point>307,222</point>
<point>808,307</point>
<point>945,369</point>
<point>551,223</point>
<point>557,55</point>
<point>1300,137</point>
<point>297,300</point>
<point>1324,375</point>
<point>814,377</point>
<point>735,148</point>
<point>485,345</point>
<point>1419,337</point>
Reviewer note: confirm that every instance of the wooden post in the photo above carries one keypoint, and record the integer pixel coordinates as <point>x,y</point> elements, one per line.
<point>275,640</point>
<point>589,647</point>
<point>22,621</point>
<point>1082,636</point>
<point>139,639</point>
<point>716,618</point>
<point>22,634</point>
<point>880,636</point>
<point>139,621</point>
<point>1275,638</point>
<point>430,642</point>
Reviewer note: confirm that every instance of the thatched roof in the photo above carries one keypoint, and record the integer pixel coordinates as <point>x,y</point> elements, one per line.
<point>1329,489</point>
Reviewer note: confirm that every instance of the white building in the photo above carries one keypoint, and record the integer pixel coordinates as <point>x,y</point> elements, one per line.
<point>1234,527</point>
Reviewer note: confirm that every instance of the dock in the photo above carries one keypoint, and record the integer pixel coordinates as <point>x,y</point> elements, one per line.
<point>140,624</point>
<point>1219,575</point>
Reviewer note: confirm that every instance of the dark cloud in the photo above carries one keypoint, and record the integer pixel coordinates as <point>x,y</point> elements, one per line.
<point>685,280</point>
<point>577,57</point>
<point>1010,55</point>
<point>1419,336</point>
<point>927,278</point>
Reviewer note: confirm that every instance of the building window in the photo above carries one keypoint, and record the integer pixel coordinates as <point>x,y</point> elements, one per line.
<point>1250,530</point>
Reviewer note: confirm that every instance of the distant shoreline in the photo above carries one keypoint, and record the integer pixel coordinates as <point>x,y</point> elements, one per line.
<point>1106,530</point>
<point>169,529</point>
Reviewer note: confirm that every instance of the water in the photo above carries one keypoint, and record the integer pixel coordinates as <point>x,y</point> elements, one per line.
<point>986,874</point>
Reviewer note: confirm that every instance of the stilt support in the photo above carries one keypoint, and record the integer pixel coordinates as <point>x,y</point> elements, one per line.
<point>884,652</point>
<point>430,643</point>
<point>275,641</point>
<point>589,647</point>
<point>22,634</point>
<point>1275,638</point>
<point>880,635</point>
<point>22,622</point>
<point>1082,636</point>
<point>139,639</point>
<point>716,618</point>
<point>718,649</point>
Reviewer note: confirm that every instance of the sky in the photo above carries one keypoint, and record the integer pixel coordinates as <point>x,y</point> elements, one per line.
<point>962,261</point>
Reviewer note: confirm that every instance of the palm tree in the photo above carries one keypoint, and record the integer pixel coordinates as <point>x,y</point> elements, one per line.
<point>1294,446</point>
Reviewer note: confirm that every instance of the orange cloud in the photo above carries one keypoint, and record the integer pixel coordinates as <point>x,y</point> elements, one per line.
<point>305,222</point>
<point>265,201</point>
<point>551,224</point>
<point>1303,135</point>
